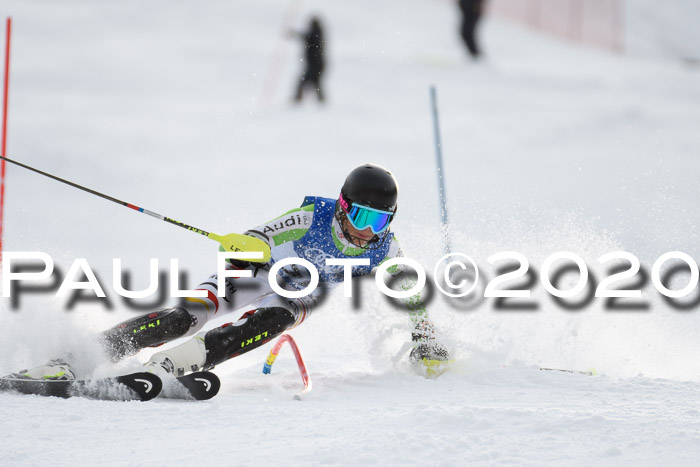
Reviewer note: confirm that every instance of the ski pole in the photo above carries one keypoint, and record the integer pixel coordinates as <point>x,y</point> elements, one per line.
<point>231,242</point>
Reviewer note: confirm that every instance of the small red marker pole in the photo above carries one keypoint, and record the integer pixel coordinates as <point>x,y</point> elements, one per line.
<point>8,30</point>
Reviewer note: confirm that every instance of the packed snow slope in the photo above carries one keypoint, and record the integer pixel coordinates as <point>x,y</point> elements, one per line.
<point>185,109</point>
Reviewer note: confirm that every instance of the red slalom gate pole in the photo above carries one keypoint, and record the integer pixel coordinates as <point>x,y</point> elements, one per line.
<point>267,368</point>
<point>8,29</point>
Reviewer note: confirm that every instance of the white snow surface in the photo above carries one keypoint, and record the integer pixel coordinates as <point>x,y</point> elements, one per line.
<point>184,108</point>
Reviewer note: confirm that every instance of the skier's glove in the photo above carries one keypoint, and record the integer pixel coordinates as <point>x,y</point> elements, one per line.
<point>429,351</point>
<point>430,354</point>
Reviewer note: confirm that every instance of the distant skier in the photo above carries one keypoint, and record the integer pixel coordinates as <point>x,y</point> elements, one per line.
<point>314,60</point>
<point>472,10</point>
<point>354,225</point>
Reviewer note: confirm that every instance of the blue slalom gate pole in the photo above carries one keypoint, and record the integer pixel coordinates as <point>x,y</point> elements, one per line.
<point>440,169</point>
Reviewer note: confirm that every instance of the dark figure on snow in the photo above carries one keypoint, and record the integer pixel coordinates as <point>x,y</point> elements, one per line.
<point>314,59</point>
<point>472,11</point>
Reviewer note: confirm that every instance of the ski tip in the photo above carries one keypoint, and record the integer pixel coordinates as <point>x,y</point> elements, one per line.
<point>202,385</point>
<point>146,385</point>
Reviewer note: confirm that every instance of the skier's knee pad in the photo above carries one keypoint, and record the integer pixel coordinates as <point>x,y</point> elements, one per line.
<point>298,307</point>
<point>148,330</point>
<point>233,339</point>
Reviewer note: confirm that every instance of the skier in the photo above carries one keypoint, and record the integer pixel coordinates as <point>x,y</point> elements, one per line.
<point>314,58</point>
<point>472,11</point>
<point>355,225</point>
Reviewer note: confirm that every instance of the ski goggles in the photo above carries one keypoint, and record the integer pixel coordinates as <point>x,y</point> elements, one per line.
<point>362,217</point>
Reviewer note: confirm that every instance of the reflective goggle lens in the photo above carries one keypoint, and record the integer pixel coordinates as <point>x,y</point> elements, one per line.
<point>362,217</point>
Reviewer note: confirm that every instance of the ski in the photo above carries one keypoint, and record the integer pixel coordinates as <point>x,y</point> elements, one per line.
<point>135,386</point>
<point>201,386</point>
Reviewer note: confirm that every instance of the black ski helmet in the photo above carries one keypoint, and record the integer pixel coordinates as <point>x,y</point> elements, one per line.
<point>373,186</point>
